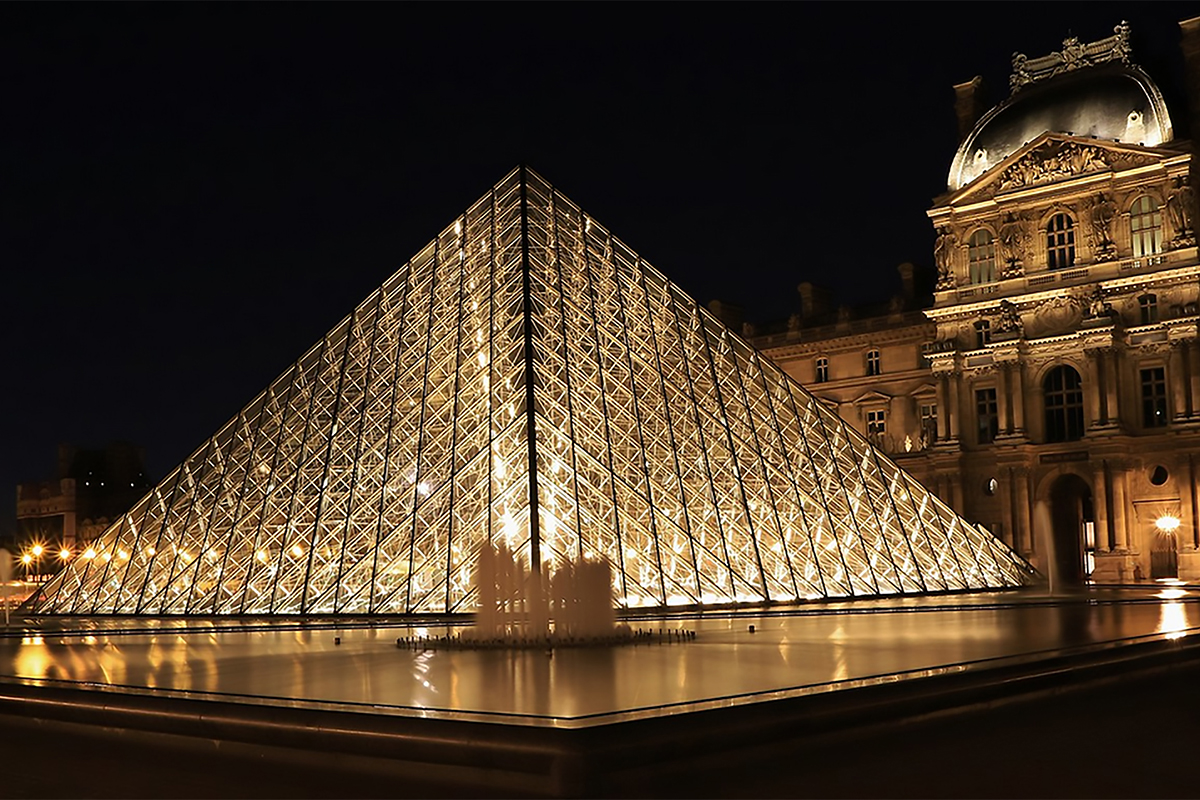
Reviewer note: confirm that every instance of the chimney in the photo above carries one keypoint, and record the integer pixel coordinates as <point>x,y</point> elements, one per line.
<point>814,300</point>
<point>1189,43</point>
<point>728,313</point>
<point>968,105</point>
<point>906,271</point>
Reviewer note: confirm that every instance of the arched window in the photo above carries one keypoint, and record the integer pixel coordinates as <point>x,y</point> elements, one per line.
<point>874,365</point>
<point>1063,391</point>
<point>1060,242</point>
<point>1145,226</point>
<point>981,256</point>
<point>822,366</point>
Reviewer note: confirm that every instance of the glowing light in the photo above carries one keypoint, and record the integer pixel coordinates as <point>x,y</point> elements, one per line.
<point>1167,523</point>
<point>27,559</point>
<point>121,554</point>
<point>261,555</point>
<point>108,557</point>
<point>37,551</point>
<point>150,550</point>
<point>89,553</point>
<point>297,550</point>
<point>64,554</point>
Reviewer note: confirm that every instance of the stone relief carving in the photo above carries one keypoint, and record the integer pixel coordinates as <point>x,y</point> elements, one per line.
<point>1181,208</point>
<point>1013,238</point>
<point>1103,211</point>
<point>943,249</point>
<point>1074,55</point>
<point>1010,319</point>
<point>1053,161</point>
<point>1057,315</point>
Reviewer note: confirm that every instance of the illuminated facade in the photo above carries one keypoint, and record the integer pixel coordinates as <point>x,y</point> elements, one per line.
<point>1059,362</point>
<point>527,379</point>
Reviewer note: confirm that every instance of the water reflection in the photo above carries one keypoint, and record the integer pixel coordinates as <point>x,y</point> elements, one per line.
<point>1173,619</point>
<point>726,660</point>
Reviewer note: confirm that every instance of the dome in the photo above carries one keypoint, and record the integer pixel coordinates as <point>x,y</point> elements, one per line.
<point>1114,102</point>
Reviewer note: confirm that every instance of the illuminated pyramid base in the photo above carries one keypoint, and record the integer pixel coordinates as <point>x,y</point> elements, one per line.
<point>527,380</point>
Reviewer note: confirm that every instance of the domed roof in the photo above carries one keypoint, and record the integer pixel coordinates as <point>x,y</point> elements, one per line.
<point>1114,101</point>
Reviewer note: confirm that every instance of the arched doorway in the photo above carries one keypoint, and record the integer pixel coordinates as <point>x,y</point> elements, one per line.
<point>1072,526</point>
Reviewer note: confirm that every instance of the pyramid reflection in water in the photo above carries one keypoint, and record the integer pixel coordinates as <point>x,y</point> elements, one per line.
<point>527,379</point>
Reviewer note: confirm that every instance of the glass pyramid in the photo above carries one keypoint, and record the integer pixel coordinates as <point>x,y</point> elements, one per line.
<point>527,379</point>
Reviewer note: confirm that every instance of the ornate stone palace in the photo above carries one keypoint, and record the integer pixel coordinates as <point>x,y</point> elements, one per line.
<point>1056,375</point>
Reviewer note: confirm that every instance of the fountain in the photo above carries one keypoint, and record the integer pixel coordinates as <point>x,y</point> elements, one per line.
<point>1043,535</point>
<point>521,607</point>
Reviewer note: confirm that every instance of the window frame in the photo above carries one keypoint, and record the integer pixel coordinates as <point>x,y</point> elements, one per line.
<point>1148,308</point>
<point>821,369</point>
<point>1149,229</point>
<point>1064,416</point>
<point>1156,412</point>
<point>981,257</point>
<point>987,410</point>
<point>874,361</point>
<point>1060,241</point>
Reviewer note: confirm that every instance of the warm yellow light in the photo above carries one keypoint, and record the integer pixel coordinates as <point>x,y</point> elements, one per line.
<point>108,556</point>
<point>123,555</point>
<point>1167,523</point>
<point>89,553</point>
<point>261,555</point>
<point>64,554</point>
<point>150,550</point>
<point>297,550</point>
<point>37,551</point>
<point>27,559</point>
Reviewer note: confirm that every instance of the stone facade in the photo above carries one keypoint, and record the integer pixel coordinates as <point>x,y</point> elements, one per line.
<point>1052,390</point>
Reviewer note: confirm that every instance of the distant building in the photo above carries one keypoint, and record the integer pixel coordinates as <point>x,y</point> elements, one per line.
<point>1058,365</point>
<point>91,488</point>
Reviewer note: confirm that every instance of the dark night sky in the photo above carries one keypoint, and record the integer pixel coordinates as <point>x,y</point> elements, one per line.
<point>195,193</point>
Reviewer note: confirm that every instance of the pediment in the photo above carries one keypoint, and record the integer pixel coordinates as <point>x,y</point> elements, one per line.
<point>872,397</point>
<point>1053,158</point>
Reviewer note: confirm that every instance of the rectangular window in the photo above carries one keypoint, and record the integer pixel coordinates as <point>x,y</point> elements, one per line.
<point>1148,305</point>
<point>876,426</point>
<point>929,423</point>
<point>822,370</point>
<point>1154,397</point>
<point>874,366</point>
<point>985,412</point>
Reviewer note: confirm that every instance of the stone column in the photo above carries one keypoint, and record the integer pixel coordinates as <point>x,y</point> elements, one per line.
<point>1185,360</point>
<point>1112,385</point>
<point>1120,531</point>
<point>1092,388</point>
<point>1193,354</point>
<point>1176,380</point>
<point>1100,508</point>
<point>943,408</point>
<point>1024,514</point>
<point>954,391</point>
<point>1002,405</point>
<point>1007,495</point>
<point>1018,390</point>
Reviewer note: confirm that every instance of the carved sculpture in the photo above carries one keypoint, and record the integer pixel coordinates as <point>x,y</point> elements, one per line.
<point>1074,55</point>
<point>1053,161</point>
<point>1181,205</point>
<point>943,248</point>
<point>1096,305</point>
<point>1102,214</point>
<point>1012,246</point>
<point>1010,318</point>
